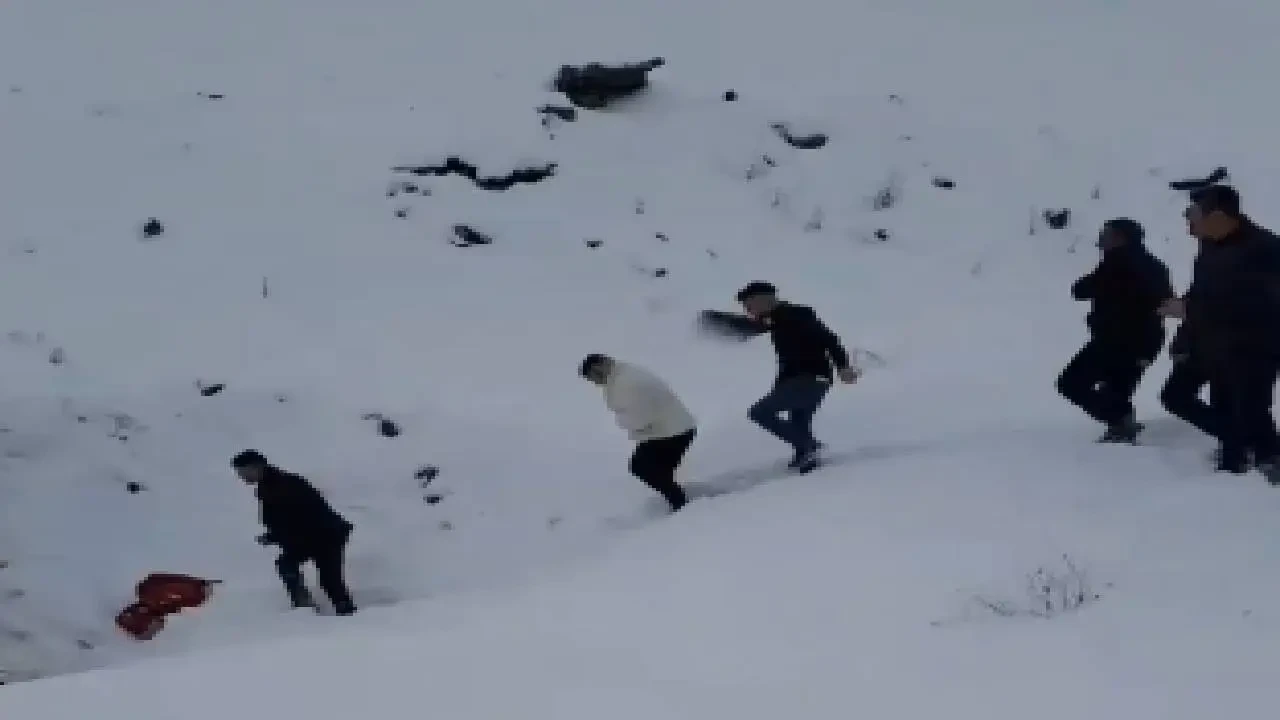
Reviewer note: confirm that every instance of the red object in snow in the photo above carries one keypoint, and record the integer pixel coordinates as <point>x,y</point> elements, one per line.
<point>160,594</point>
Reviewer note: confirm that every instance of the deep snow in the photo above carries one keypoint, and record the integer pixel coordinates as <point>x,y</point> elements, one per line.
<point>542,584</point>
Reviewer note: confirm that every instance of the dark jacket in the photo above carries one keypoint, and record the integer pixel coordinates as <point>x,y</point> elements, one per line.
<point>805,346</point>
<point>1125,291</point>
<point>1233,304</point>
<point>296,516</point>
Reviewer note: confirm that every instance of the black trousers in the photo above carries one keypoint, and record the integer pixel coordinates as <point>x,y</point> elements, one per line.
<point>1181,396</point>
<point>1102,378</point>
<point>1241,393</point>
<point>328,556</point>
<point>655,463</point>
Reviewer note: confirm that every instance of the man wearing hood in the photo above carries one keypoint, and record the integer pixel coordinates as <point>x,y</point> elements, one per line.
<point>1125,292</point>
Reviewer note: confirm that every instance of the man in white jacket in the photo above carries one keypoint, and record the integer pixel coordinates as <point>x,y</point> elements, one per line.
<point>653,417</point>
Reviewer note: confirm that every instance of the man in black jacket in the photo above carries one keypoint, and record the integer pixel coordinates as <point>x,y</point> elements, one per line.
<point>1232,319</point>
<point>806,351</point>
<point>305,528</point>
<point>1126,330</point>
<point>1189,377</point>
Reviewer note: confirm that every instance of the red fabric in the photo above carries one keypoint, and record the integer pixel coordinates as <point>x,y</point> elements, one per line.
<point>140,621</point>
<point>160,594</point>
<point>170,592</point>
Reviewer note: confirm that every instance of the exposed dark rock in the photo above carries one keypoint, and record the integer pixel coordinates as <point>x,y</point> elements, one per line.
<point>1057,219</point>
<point>425,474</point>
<point>57,356</point>
<point>594,86</point>
<point>882,234</point>
<point>211,96</point>
<point>133,487</point>
<point>730,95</point>
<point>454,165</point>
<point>152,228</point>
<point>662,236</point>
<point>386,427</point>
<point>660,272</point>
<point>946,183</point>
<point>432,499</point>
<point>1219,175</point>
<point>467,236</point>
<point>402,212</point>
<point>560,112</point>
<point>802,142</point>
<point>593,242</point>
<point>211,390</point>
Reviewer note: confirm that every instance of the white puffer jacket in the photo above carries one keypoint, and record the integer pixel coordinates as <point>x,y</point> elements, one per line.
<point>645,406</point>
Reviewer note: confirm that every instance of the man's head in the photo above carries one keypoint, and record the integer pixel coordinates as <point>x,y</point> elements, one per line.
<point>1120,232</point>
<point>1214,213</point>
<point>596,368</point>
<point>250,465</point>
<point>758,298</point>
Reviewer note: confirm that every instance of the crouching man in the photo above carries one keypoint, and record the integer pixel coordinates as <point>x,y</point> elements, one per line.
<point>302,524</point>
<point>653,417</point>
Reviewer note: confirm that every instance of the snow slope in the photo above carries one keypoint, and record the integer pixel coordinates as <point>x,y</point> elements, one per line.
<point>542,583</point>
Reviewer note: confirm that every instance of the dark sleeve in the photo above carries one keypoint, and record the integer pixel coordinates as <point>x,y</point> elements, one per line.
<point>1181,344</point>
<point>734,325</point>
<point>814,327</point>
<point>1086,288</point>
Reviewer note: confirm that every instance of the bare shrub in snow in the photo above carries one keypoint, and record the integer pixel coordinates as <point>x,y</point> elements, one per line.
<point>1049,592</point>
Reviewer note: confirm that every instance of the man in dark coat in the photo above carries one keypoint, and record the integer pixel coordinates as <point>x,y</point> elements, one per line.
<point>1126,330</point>
<point>1188,379</point>
<point>807,351</point>
<point>1232,319</point>
<point>302,524</point>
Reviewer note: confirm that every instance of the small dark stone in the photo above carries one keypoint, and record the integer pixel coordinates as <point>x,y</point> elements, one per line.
<point>662,236</point>
<point>402,212</point>
<point>432,499</point>
<point>211,96</point>
<point>882,234</point>
<point>211,390</point>
<point>1057,219</point>
<point>593,242</point>
<point>133,487</point>
<point>152,228</point>
<point>386,428</point>
<point>660,272</point>
<point>57,356</point>
<point>426,474</point>
<point>466,236</point>
<point>567,114</point>
<point>730,95</point>
<point>941,182</point>
<point>800,142</point>
<point>409,188</point>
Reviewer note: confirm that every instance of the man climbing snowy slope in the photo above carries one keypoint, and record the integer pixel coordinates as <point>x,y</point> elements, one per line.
<point>810,357</point>
<point>653,417</point>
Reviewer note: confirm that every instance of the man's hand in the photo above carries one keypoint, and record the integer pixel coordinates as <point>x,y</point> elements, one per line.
<point>848,375</point>
<point>1173,307</point>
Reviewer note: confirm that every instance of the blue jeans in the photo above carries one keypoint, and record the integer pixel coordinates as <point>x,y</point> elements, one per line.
<point>799,398</point>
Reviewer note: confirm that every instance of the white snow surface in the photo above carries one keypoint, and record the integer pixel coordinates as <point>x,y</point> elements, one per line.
<point>545,584</point>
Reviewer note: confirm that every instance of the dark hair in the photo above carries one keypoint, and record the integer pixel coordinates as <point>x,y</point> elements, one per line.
<point>1217,198</point>
<point>753,289</point>
<point>248,458</point>
<point>1129,229</point>
<point>590,362</point>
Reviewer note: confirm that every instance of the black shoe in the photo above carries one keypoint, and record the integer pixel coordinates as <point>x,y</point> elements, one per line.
<point>807,462</point>
<point>344,608</point>
<point>803,457</point>
<point>1125,431</point>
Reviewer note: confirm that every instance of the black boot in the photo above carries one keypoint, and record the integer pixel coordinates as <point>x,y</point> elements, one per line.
<point>1126,431</point>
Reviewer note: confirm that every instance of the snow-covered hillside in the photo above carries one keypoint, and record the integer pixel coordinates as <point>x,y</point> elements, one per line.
<point>298,270</point>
